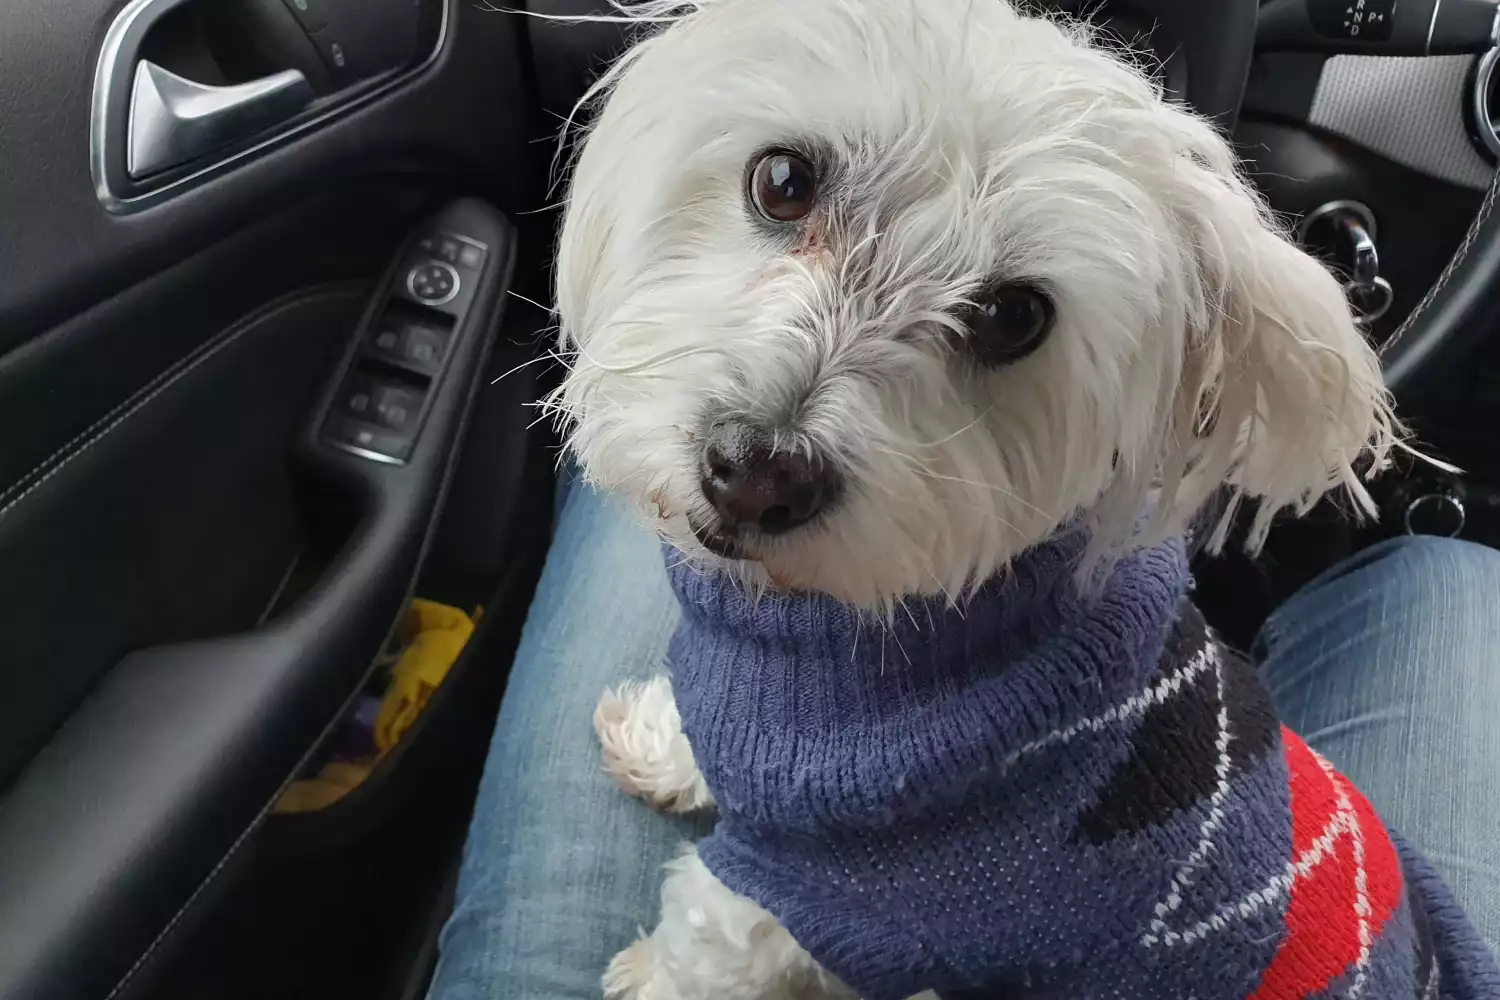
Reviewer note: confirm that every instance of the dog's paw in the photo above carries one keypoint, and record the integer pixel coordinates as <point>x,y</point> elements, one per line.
<point>645,749</point>
<point>632,975</point>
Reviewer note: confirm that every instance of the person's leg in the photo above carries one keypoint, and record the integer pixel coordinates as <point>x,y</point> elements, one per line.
<point>1389,666</point>
<point>561,868</point>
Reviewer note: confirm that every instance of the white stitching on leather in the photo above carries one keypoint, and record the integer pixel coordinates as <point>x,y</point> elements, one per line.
<point>60,452</point>
<point>450,468</point>
<point>100,428</point>
<point>1459,255</point>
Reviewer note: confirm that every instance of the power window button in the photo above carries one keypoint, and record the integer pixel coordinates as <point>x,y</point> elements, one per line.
<point>423,348</point>
<point>397,409</point>
<point>387,341</point>
<point>359,402</point>
<point>394,407</point>
<point>409,343</point>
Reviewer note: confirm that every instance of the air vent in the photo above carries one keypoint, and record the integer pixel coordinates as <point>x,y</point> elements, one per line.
<point>1482,114</point>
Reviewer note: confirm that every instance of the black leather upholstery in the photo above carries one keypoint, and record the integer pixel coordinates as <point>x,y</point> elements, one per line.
<point>569,55</point>
<point>168,763</point>
<point>112,825</point>
<point>93,481</point>
<point>153,371</point>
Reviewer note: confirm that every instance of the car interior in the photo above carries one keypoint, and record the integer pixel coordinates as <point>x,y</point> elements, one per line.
<point>273,316</point>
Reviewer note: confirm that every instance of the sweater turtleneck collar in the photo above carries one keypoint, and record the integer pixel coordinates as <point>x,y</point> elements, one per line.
<point>775,690</point>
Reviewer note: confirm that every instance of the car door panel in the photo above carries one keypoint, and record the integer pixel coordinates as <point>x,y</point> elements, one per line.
<point>194,585</point>
<point>179,747</point>
<point>462,114</point>
<point>166,488</point>
<point>175,746</point>
<point>55,386</point>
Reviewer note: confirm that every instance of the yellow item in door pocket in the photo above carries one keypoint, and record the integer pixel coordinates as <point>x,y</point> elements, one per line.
<point>437,634</point>
<point>337,779</point>
<point>441,632</point>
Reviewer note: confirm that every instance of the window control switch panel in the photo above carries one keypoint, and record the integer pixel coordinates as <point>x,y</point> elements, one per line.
<point>404,346</point>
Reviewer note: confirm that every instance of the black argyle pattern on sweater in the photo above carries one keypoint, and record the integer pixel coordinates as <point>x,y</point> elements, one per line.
<point>1173,753</point>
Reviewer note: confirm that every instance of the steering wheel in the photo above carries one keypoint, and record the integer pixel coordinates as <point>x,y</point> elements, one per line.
<point>1205,51</point>
<point>1453,318</point>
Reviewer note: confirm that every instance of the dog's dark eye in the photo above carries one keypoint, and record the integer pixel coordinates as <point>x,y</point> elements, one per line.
<point>1007,322</point>
<point>783,186</point>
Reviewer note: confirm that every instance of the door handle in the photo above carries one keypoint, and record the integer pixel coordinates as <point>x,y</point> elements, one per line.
<point>174,120</point>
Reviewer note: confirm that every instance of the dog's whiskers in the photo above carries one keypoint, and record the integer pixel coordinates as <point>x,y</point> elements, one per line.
<point>925,471</point>
<point>523,365</point>
<point>529,301</point>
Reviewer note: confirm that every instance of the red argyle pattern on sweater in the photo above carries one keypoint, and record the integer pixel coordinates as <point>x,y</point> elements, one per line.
<point>1346,882</point>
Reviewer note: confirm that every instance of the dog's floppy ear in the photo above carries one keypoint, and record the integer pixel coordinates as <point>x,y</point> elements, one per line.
<point>1280,396</point>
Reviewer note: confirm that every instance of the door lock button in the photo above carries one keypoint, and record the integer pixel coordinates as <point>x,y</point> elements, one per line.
<point>309,13</point>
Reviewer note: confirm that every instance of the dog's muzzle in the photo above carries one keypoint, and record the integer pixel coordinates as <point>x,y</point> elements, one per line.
<point>754,488</point>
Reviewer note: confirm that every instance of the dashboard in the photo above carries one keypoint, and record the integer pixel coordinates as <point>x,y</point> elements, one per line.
<point>1410,138</point>
<point>1417,112</point>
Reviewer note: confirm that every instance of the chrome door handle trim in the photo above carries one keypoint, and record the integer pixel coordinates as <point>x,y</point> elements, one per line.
<point>109,113</point>
<point>117,56</point>
<point>174,120</point>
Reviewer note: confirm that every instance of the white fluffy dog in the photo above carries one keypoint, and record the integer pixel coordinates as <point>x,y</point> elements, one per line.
<point>869,296</point>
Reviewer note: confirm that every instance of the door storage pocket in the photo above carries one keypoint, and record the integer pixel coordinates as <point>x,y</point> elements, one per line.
<point>422,651</point>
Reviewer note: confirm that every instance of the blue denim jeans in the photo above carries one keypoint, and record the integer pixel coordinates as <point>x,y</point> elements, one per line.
<point>1388,664</point>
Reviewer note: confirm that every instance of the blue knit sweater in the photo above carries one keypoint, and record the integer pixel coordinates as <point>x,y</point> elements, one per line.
<point>1038,795</point>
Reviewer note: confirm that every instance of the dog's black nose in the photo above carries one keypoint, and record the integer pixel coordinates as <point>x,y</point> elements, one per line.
<point>752,485</point>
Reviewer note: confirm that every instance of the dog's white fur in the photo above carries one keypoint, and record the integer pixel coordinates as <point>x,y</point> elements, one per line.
<point>1194,345</point>
<point>717,945</point>
<point>645,749</point>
